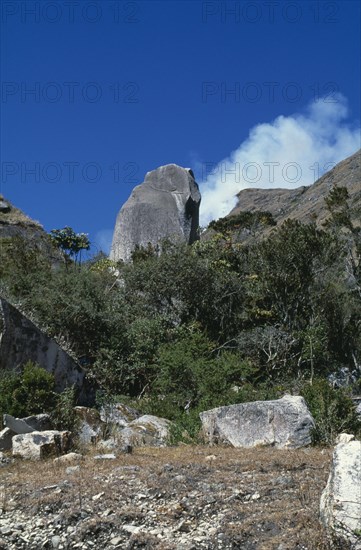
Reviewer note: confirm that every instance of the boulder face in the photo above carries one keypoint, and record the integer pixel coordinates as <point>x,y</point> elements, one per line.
<point>21,341</point>
<point>37,445</point>
<point>282,423</point>
<point>164,206</point>
<point>35,423</point>
<point>341,500</point>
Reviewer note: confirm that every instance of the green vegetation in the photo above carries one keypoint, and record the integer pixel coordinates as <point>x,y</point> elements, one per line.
<point>216,323</point>
<point>30,391</point>
<point>70,242</point>
<point>250,221</point>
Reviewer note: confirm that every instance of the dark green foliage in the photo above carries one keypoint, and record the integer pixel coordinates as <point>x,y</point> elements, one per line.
<point>63,415</point>
<point>210,324</point>
<point>244,220</point>
<point>30,391</point>
<point>333,411</point>
<point>70,242</point>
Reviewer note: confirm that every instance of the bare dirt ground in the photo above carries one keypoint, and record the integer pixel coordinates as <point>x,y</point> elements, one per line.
<point>180,498</point>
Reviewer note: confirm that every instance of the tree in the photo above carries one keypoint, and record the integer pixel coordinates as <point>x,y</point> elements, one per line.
<point>69,242</point>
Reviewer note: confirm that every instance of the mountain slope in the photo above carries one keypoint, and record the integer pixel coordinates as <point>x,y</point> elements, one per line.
<point>305,204</point>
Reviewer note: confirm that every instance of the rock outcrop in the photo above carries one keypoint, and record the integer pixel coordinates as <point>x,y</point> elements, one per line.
<point>164,206</point>
<point>21,341</point>
<point>14,223</point>
<point>282,423</point>
<point>341,500</point>
<point>304,204</point>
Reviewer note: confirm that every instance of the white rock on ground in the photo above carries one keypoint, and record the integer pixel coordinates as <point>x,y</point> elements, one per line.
<point>146,430</point>
<point>340,505</point>
<point>68,458</point>
<point>36,445</point>
<point>282,423</point>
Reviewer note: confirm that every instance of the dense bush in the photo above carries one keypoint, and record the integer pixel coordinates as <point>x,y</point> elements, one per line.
<point>333,411</point>
<point>30,391</point>
<point>214,323</point>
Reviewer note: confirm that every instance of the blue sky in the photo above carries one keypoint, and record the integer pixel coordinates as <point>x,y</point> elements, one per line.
<point>95,94</point>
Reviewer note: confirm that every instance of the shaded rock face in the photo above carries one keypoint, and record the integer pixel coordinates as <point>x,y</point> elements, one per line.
<point>14,224</point>
<point>341,500</point>
<point>6,439</point>
<point>164,206</point>
<point>21,341</point>
<point>282,423</point>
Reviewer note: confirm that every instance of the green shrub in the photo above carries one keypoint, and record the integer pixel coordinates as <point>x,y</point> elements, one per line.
<point>63,414</point>
<point>333,411</point>
<point>30,391</point>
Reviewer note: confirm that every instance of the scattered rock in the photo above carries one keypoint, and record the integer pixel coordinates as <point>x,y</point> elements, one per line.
<point>108,456</point>
<point>37,445</point>
<point>340,505</point>
<point>68,458</point>
<point>71,470</point>
<point>164,206</point>
<point>282,423</point>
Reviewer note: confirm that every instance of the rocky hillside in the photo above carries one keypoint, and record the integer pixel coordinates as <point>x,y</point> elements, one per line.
<point>14,223</point>
<point>305,204</point>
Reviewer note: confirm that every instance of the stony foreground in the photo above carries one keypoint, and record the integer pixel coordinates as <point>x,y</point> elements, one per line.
<point>179,498</point>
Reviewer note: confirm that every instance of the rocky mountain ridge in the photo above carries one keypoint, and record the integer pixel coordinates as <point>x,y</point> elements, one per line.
<point>305,204</point>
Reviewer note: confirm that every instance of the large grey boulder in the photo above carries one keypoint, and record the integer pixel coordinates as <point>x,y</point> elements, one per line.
<point>35,423</point>
<point>118,414</point>
<point>37,445</point>
<point>282,423</point>
<point>340,505</point>
<point>146,431</point>
<point>164,206</point>
<point>21,341</point>
<point>89,426</point>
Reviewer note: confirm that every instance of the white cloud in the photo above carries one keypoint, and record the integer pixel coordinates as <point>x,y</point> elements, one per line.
<point>288,152</point>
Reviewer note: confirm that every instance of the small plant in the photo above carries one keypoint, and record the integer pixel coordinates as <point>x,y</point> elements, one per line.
<point>63,415</point>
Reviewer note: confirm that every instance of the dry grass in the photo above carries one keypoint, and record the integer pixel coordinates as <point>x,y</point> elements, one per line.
<point>262,499</point>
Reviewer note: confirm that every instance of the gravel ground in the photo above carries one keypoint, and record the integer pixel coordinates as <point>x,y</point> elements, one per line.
<point>180,498</point>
